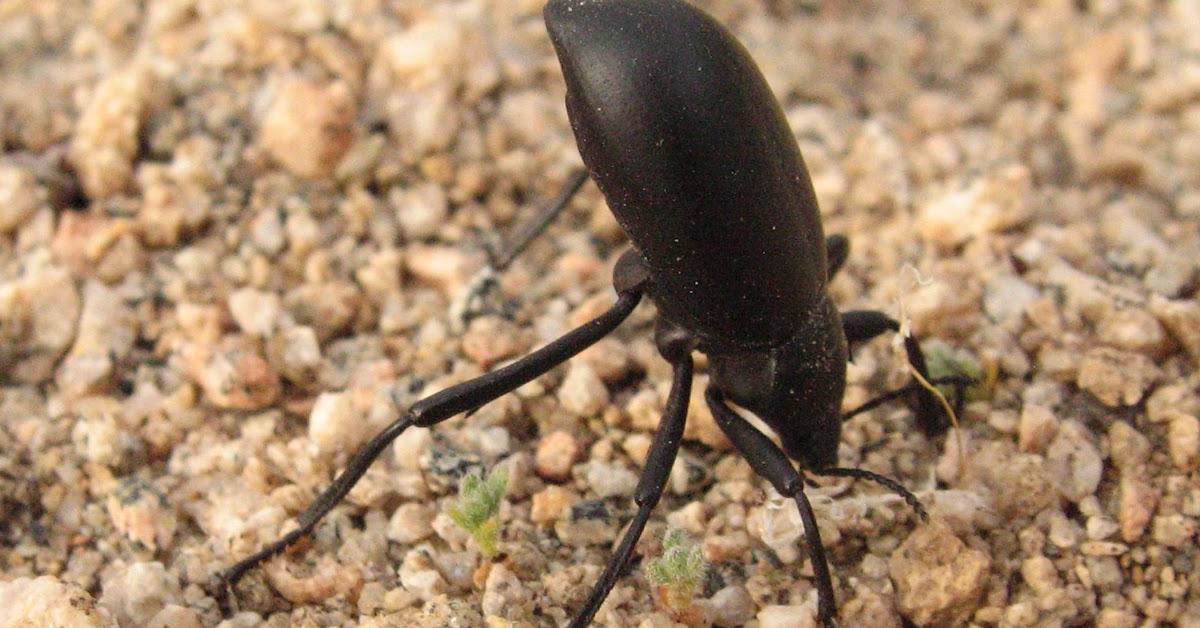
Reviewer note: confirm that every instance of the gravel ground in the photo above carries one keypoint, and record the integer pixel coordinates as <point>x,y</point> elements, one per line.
<point>232,232</point>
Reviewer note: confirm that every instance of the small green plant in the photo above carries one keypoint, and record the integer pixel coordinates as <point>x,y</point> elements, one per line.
<point>944,360</point>
<point>678,572</point>
<point>477,507</point>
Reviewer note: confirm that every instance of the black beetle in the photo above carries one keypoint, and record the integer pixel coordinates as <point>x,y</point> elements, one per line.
<point>677,126</point>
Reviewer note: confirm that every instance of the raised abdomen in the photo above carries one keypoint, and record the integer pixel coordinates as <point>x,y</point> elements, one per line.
<point>695,158</point>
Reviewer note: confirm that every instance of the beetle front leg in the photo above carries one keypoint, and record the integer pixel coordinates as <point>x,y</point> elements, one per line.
<point>433,410</point>
<point>659,461</point>
<point>837,249</point>
<point>769,461</point>
<point>863,325</point>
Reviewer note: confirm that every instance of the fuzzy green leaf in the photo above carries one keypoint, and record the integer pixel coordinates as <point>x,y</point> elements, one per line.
<point>477,507</point>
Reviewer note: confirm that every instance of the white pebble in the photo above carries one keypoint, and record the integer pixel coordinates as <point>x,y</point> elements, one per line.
<point>421,210</point>
<point>173,616</point>
<point>408,448</point>
<point>255,312</point>
<point>20,196</point>
<point>1073,462</point>
<point>46,601</point>
<point>611,480</point>
<point>583,392</point>
<point>502,589</point>
<point>410,523</point>
<point>334,424</point>
<point>779,616</point>
<point>139,591</point>
<point>419,575</point>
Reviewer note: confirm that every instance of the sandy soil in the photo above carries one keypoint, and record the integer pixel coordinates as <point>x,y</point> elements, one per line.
<point>234,235</point>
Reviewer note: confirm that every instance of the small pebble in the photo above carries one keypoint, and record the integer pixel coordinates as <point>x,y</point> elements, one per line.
<point>307,128</point>
<point>136,593</point>
<point>419,575</point>
<point>1116,618</point>
<point>409,447</point>
<point>503,589</point>
<point>701,426</point>
<point>20,196</point>
<point>105,141</point>
<point>174,616</point>
<point>1134,330</point>
<point>1116,378</point>
<point>254,311</point>
<point>586,523</point>
<point>1182,320</point>
<point>1100,527</point>
<point>1173,530</point>
<point>779,616</point>
<point>939,579</point>
<point>582,391</point>
<point>549,503</point>
<point>1006,297</point>
<point>410,523</point>
<point>732,606</point>
<point>233,374</point>
<point>46,601</point>
<point>142,513</point>
<point>1037,428</point>
<point>420,210</point>
<point>1137,499</point>
<point>1128,448</point>
<point>334,425</point>
<point>1183,442</point>
<point>1040,574</point>
<point>989,204</point>
<point>1073,463</point>
<point>556,454</point>
<point>40,311</point>
<point>610,480</point>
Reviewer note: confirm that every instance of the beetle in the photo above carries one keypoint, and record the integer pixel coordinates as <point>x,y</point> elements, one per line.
<point>678,128</point>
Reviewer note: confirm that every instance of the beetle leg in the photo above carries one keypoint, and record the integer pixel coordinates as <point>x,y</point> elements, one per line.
<point>837,249</point>
<point>434,409</point>
<point>769,461</point>
<point>960,382</point>
<point>659,461</point>
<point>861,325</point>
<point>535,226</point>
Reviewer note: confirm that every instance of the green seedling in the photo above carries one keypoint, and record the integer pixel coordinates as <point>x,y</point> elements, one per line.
<point>478,506</point>
<point>678,572</point>
<point>944,360</point>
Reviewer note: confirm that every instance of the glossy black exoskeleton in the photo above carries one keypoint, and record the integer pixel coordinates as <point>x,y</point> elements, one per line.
<point>677,126</point>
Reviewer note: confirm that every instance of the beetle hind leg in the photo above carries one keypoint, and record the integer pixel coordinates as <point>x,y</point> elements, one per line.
<point>659,461</point>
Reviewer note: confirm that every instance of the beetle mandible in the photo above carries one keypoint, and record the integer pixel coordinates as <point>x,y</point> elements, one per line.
<point>678,128</point>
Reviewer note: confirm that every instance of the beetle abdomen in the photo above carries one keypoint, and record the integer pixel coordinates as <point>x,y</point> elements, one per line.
<point>693,153</point>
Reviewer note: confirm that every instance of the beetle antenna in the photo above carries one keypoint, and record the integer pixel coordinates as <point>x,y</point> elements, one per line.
<point>882,480</point>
